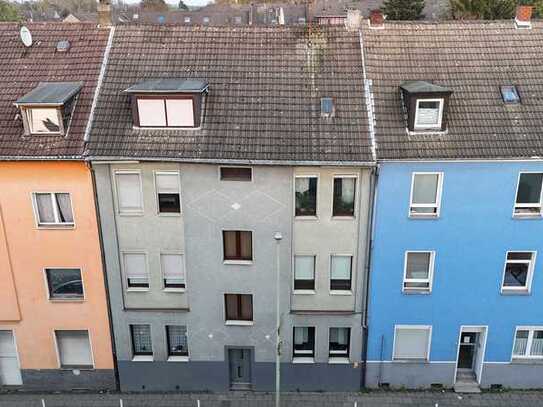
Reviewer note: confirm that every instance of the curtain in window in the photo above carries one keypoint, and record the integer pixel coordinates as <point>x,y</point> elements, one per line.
<point>172,268</point>
<point>537,344</point>
<point>46,213</point>
<point>521,343</point>
<point>347,190</point>
<point>341,267</point>
<point>177,339</point>
<point>128,186</point>
<point>302,185</point>
<point>230,245</point>
<point>425,189</point>
<point>246,307</point>
<point>418,265</point>
<point>339,335</point>
<point>411,343</point>
<point>246,245</point>
<point>64,207</point>
<point>232,311</point>
<point>141,339</point>
<point>304,267</point>
<point>301,335</point>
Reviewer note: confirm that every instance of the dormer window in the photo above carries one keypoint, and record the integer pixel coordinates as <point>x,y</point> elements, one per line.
<point>425,105</point>
<point>510,94</point>
<point>167,103</point>
<point>47,109</point>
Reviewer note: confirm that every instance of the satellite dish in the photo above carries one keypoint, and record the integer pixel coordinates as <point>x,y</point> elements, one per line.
<point>26,37</point>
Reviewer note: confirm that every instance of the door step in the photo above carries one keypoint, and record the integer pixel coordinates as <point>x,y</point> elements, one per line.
<point>466,387</point>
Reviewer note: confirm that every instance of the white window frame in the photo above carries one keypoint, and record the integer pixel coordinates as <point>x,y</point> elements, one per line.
<point>176,253</point>
<point>356,187</point>
<point>141,358</point>
<point>57,223</point>
<point>123,268</point>
<point>303,217</point>
<point>305,359</point>
<point>304,292</point>
<point>530,330</point>
<point>176,358</point>
<point>430,279</point>
<point>340,359</point>
<point>26,113</point>
<point>47,290</point>
<point>436,205</point>
<point>413,327</point>
<point>520,206</point>
<point>440,114</point>
<point>529,277</point>
<point>157,202</point>
<point>135,212</point>
<point>57,349</point>
<point>341,292</point>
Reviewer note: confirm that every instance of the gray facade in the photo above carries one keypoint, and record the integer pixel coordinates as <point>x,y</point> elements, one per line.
<point>209,206</point>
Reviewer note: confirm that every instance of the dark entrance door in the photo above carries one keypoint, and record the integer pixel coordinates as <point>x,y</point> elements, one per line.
<point>466,353</point>
<point>240,368</point>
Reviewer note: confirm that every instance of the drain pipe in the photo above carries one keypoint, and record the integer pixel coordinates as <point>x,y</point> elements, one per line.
<point>369,248</point>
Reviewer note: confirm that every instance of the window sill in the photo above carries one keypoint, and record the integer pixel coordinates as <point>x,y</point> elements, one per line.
<point>169,214</point>
<point>527,360</point>
<point>311,218</point>
<point>143,358</point>
<point>338,361</point>
<point>72,368</point>
<point>137,290</point>
<point>535,216</point>
<point>341,292</point>
<point>421,216</point>
<point>178,359</point>
<point>343,217</point>
<point>523,291</point>
<point>302,360</point>
<point>174,290</point>
<point>413,360</point>
<point>68,226</point>
<point>304,292</point>
<point>408,291</point>
<point>135,213</point>
<point>238,262</point>
<point>62,300</point>
<point>239,323</point>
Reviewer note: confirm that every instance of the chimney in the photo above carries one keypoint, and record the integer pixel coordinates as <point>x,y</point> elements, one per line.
<point>523,17</point>
<point>377,19</point>
<point>104,13</point>
<point>354,19</point>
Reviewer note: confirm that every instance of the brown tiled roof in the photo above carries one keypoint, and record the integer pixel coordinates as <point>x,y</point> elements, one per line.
<point>265,86</point>
<point>22,69</point>
<point>473,59</point>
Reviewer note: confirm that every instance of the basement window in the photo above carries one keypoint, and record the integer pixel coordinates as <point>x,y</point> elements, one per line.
<point>510,94</point>
<point>48,108</point>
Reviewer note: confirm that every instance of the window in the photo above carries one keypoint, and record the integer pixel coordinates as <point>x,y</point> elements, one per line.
<point>340,274</point>
<point>173,270</point>
<point>412,342</point>
<point>236,173</point>
<point>142,344</point>
<point>344,195</point>
<point>425,194</point>
<point>54,209</point>
<point>306,196</point>
<point>339,341</point>
<point>518,272</point>
<point>237,20</point>
<point>327,107</point>
<point>43,120</point>
<point>205,20</point>
<point>428,114</point>
<point>528,201</point>
<point>304,342</point>
<point>162,112</point>
<point>64,284</point>
<point>135,270</point>
<point>510,94</point>
<point>301,20</point>
<point>304,272</point>
<point>237,245</point>
<point>187,20</point>
<point>239,307</point>
<point>167,188</point>
<point>528,343</point>
<point>74,349</point>
<point>129,192</point>
<point>418,273</point>
<point>177,340</point>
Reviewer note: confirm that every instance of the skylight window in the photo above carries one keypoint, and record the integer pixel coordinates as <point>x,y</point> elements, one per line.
<point>327,107</point>
<point>510,94</point>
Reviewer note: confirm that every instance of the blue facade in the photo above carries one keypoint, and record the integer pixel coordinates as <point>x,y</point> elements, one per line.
<point>470,238</point>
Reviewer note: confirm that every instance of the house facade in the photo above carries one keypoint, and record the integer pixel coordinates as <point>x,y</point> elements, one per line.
<point>456,280</point>
<point>54,326</point>
<point>196,175</point>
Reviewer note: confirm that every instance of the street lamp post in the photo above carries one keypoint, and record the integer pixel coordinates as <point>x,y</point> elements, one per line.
<point>278,237</point>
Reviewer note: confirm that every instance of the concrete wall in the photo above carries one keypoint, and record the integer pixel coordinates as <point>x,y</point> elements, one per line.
<point>209,206</point>
<point>471,237</point>
<point>26,250</point>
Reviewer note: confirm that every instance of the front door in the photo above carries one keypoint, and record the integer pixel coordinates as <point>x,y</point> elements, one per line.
<point>468,349</point>
<point>10,373</point>
<point>240,368</point>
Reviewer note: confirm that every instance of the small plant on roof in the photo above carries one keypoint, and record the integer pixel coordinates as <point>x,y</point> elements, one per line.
<point>403,9</point>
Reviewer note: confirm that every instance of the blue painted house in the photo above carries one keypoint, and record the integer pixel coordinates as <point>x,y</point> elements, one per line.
<point>456,283</point>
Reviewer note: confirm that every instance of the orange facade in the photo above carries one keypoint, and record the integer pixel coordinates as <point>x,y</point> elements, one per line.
<point>27,249</point>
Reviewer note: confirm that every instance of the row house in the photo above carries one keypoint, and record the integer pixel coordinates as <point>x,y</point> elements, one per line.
<point>457,278</point>
<point>54,327</point>
<point>205,144</point>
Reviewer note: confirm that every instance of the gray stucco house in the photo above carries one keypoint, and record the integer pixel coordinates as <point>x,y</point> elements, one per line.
<point>206,142</point>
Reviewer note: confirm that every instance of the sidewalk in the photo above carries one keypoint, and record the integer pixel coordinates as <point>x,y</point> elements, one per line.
<point>371,399</point>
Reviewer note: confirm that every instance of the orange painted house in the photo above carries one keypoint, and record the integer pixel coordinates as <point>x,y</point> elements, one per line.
<point>54,325</point>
